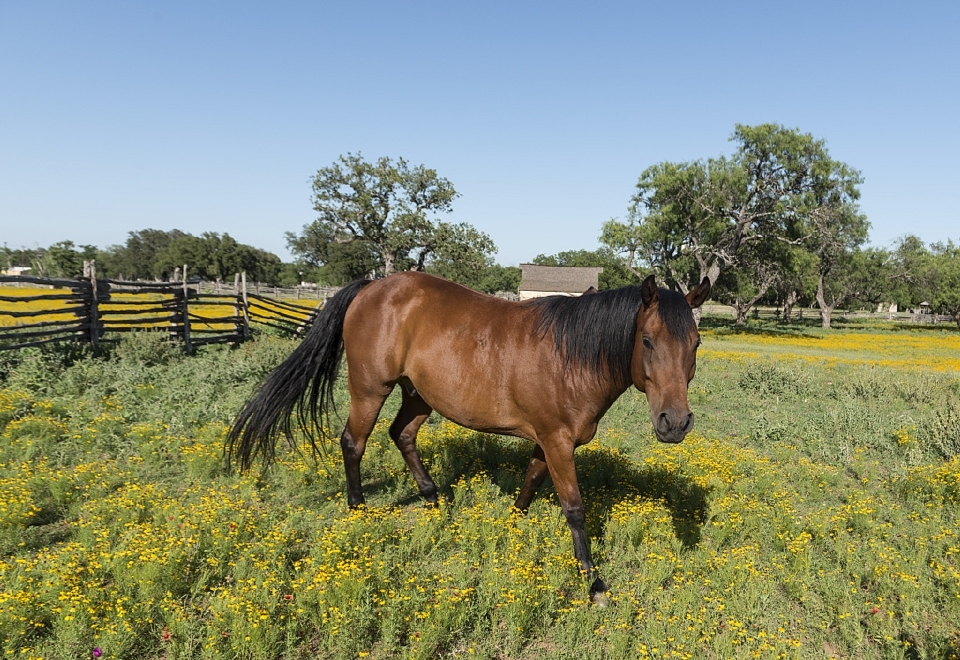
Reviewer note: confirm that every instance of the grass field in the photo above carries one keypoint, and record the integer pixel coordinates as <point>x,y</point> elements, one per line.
<point>813,513</point>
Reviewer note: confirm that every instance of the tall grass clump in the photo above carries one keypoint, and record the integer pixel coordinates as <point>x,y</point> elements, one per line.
<point>769,379</point>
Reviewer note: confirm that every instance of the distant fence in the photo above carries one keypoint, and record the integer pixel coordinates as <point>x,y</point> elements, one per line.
<point>196,313</point>
<point>799,313</point>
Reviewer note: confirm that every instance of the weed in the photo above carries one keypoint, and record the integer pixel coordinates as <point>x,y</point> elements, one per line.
<point>147,349</point>
<point>943,432</point>
<point>770,379</point>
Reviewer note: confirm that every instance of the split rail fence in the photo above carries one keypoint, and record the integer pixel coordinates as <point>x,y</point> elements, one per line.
<point>89,309</point>
<point>918,317</point>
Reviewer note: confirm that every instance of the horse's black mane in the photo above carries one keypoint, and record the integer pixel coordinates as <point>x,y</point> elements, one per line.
<point>597,331</point>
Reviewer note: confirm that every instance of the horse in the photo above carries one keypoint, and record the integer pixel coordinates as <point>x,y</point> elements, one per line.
<point>545,369</point>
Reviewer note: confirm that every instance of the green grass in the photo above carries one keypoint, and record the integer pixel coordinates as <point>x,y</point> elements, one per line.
<point>812,514</point>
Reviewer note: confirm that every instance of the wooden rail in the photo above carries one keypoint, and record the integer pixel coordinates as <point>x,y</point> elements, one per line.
<point>195,313</point>
<point>801,313</point>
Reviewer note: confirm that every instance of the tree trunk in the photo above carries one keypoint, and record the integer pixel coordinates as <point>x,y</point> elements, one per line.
<point>743,307</point>
<point>825,313</point>
<point>741,314</point>
<point>697,315</point>
<point>389,259</point>
<point>825,309</point>
<point>788,304</point>
<point>713,272</point>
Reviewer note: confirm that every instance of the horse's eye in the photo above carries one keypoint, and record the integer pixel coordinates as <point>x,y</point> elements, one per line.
<point>699,341</point>
<point>647,343</point>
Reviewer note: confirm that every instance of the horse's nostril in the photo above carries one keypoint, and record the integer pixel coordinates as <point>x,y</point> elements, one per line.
<point>663,422</point>
<point>667,424</point>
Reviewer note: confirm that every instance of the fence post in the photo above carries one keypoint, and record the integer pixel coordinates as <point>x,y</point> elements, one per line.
<point>93,324</point>
<point>246,306</point>
<point>186,313</point>
<point>174,331</point>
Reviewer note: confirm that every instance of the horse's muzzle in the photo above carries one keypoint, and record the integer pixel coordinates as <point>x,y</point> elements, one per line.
<point>672,426</point>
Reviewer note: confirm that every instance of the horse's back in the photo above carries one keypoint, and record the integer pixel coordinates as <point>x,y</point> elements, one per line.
<point>411,297</point>
<point>464,351</point>
<point>412,313</point>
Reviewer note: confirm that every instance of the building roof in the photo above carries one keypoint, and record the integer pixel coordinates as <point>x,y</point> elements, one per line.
<point>559,279</point>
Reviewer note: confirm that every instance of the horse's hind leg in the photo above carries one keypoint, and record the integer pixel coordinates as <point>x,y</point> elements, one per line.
<point>363,415</point>
<point>413,413</point>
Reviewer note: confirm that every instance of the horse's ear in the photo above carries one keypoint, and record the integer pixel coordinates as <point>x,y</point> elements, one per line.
<point>699,295</point>
<point>592,290</point>
<point>648,291</point>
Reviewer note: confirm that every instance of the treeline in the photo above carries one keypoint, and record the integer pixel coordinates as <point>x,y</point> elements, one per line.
<point>776,222</point>
<point>153,254</point>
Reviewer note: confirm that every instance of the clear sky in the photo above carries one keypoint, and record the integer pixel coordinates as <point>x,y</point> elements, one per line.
<point>213,116</point>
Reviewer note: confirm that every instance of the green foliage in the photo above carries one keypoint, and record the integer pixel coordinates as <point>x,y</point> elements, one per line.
<point>147,348</point>
<point>943,432</point>
<point>137,259</point>
<point>945,279</point>
<point>156,254</point>
<point>460,253</point>
<point>335,263</point>
<point>38,368</point>
<point>777,218</point>
<point>771,379</point>
<point>500,278</point>
<point>374,218</point>
<point>908,275</point>
<point>63,260</point>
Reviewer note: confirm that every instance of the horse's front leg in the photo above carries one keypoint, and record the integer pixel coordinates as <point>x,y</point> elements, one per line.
<point>563,471</point>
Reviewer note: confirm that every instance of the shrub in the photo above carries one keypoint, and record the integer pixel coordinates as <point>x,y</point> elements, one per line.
<point>147,348</point>
<point>774,379</point>
<point>942,433</point>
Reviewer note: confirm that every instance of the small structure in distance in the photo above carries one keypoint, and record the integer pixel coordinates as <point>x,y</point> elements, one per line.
<point>540,281</point>
<point>16,271</point>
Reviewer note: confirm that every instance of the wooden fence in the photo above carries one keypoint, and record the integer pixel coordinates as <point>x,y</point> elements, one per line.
<point>86,309</point>
<point>801,313</point>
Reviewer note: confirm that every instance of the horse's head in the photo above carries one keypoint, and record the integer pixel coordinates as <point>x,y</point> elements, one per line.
<point>665,355</point>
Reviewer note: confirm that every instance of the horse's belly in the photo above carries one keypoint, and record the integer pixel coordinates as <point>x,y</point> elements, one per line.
<point>479,409</point>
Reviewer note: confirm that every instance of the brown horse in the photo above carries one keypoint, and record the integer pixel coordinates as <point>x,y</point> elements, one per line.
<point>546,370</point>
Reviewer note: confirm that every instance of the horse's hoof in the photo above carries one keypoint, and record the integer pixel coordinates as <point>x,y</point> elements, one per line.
<point>599,593</point>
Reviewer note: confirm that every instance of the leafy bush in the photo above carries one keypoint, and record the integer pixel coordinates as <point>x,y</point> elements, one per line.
<point>767,432</point>
<point>774,379</point>
<point>942,433</point>
<point>38,368</point>
<point>147,348</point>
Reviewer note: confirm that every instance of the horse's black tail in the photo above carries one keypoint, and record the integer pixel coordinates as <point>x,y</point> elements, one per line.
<point>303,383</point>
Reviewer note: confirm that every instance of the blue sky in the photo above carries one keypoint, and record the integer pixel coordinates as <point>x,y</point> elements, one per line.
<point>210,116</point>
